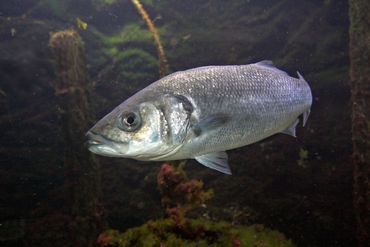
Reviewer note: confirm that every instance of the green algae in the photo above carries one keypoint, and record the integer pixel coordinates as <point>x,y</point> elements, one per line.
<point>129,49</point>
<point>196,232</point>
<point>130,33</point>
<point>180,195</point>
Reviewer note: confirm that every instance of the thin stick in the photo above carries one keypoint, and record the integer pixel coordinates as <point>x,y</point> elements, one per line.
<point>161,54</point>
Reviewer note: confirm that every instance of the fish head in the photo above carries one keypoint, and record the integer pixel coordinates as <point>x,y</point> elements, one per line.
<point>143,128</point>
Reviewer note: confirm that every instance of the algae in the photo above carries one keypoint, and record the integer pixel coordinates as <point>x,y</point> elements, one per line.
<point>180,195</point>
<point>130,33</point>
<point>303,155</point>
<point>197,232</point>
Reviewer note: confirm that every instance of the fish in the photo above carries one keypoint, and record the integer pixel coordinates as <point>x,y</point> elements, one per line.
<point>201,113</point>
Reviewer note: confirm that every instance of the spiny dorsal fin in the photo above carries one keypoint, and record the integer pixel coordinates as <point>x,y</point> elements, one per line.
<point>270,65</point>
<point>267,63</point>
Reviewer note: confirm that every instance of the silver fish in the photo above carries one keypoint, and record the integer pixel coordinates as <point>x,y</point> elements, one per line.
<point>200,113</point>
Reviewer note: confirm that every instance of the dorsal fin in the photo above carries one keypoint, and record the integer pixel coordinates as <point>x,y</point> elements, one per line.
<point>270,65</point>
<point>267,63</point>
<point>300,77</point>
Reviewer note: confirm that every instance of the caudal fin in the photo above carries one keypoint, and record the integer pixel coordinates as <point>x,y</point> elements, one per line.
<point>306,113</point>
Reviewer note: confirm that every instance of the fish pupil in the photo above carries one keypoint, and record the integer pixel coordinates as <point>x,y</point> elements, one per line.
<point>130,120</point>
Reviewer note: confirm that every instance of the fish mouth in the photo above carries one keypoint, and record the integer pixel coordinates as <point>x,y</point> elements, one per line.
<point>101,145</point>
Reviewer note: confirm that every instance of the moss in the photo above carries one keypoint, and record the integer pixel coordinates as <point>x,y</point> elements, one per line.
<point>197,232</point>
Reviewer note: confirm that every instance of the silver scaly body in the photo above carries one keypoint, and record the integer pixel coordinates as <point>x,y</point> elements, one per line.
<point>222,108</point>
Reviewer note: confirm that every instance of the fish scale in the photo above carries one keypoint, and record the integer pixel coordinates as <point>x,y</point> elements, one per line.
<point>271,107</point>
<point>231,106</point>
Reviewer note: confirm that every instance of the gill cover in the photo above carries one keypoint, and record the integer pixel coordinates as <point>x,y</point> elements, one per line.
<point>144,128</point>
<point>177,111</point>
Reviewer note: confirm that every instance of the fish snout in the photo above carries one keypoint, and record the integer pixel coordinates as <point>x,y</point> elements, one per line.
<point>101,145</point>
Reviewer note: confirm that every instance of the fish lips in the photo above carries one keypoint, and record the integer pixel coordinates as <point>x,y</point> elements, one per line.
<point>101,145</point>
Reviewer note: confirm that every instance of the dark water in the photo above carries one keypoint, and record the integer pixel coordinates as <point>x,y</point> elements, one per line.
<point>301,187</point>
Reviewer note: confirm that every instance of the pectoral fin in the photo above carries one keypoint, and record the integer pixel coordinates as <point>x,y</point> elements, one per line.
<point>291,129</point>
<point>216,161</point>
<point>209,123</point>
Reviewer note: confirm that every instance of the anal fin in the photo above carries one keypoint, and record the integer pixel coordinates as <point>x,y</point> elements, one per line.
<point>217,161</point>
<point>291,129</point>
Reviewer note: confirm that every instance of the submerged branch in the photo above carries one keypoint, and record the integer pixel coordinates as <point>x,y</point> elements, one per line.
<point>83,172</point>
<point>161,54</point>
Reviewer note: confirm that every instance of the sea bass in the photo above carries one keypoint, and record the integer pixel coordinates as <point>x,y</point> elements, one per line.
<point>200,113</point>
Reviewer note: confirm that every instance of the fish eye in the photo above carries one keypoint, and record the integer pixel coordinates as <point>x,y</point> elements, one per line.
<point>129,121</point>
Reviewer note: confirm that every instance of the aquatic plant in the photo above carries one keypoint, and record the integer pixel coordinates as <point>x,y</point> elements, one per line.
<point>179,194</point>
<point>131,57</point>
<point>302,157</point>
<point>161,54</point>
<point>196,232</point>
<point>130,33</point>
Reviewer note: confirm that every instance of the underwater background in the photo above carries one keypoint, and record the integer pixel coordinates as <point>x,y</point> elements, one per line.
<point>53,192</point>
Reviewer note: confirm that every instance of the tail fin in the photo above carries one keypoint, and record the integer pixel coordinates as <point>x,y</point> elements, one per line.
<point>306,113</point>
